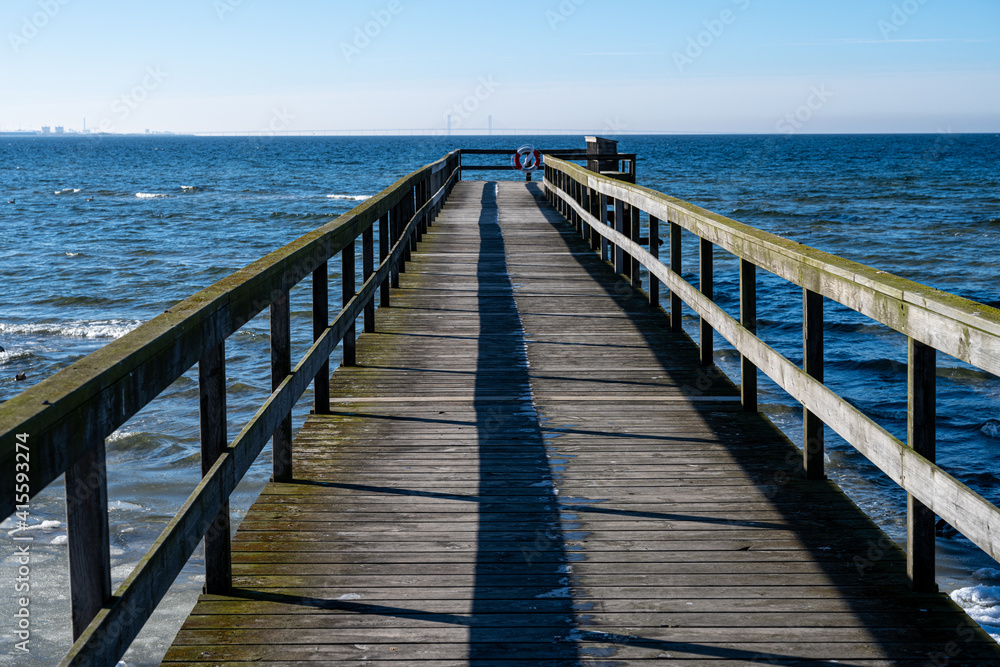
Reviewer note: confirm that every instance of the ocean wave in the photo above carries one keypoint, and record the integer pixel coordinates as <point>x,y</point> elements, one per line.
<point>13,355</point>
<point>150,195</point>
<point>991,428</point>
<point>190,188</point>
<point>350,197</point>
<point>982,603</point>
<point>67,191</point>
<point>79,329</point>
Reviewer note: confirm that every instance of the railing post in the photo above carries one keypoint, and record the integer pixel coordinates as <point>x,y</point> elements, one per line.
<point>812,364</point>
<point>88,536</point>
<point>707,286</point>
<point>395,216</point>
<point>347,280</point>
<point>604,218</point>
<point>654,250</point>
<point>411,212</point>
<point>620,266</point>
<point>214,440</point>
<point>321,320</point>
<point>383,252</point>
<point>921,436</point>
<point>634,235</point>
<point>281,367</point>
<point>421,200</point>
<point>577,197</point>
<point>367,269</point>
<point>676,308</point>
<point>748,318</point>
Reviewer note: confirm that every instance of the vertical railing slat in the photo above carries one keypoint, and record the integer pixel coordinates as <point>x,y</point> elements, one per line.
<point>394,215</point>
<point>707,286</point>
<point>383,252</point>
<point>214,440</point>
<point>368,268</point>
<point>605,220</point>
<point>654,250</point>
<point>88,536</point>
<point>921,436</point>
<point>676,310</point>
<point>281,367</point>
<point>619,256</point>
<point>748,318</point>
<point>812,364</point>
<point>634,234</point>
<point>321,320</point>
<point>348,282</point>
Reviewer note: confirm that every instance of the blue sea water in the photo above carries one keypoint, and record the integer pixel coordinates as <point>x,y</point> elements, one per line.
<point>107,232</point>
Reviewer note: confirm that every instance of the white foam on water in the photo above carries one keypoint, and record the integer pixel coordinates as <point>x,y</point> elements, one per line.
<point>350,197</point>
<point>189,187</point>
<point>150,195</point>
<point>982,603</point>
<point>78,329</point>
<point>13,355</point>
<point>120,435</point>
<point>991,428</point>
<point>73,254</point>
<point>46,526</point>
<point>67,191</point>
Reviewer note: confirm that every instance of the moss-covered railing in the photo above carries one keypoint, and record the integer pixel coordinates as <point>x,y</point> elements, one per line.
<point>931,319</point>
<point>60,425</point>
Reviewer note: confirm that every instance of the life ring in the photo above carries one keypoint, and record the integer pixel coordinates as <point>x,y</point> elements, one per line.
<point>527,158</point>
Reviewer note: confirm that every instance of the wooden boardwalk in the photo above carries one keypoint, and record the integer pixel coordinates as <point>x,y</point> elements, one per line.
<point>528,468</point>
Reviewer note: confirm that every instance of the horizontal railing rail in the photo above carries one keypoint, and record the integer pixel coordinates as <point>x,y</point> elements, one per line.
<point>66,418</point>
<point>565,154</point>
<point>931,319</point>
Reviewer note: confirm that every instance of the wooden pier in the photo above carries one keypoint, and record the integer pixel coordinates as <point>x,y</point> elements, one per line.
<point>517,471</point>
<point>524,460</point>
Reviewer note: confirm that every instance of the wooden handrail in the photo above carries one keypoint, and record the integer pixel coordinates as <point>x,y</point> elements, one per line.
<point>930,318</point>
<point>68,416</point>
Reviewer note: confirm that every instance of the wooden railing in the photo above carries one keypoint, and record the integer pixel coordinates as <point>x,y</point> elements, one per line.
<point>932,320</point>
<point>65,419</point>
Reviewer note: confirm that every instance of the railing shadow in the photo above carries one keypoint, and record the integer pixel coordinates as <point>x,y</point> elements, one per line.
<point>521,554</point>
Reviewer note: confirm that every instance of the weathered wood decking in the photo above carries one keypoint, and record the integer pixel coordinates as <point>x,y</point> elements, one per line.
<point>528,468</point>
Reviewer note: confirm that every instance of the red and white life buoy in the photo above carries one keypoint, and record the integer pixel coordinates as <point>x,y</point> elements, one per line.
<point>527,158</point>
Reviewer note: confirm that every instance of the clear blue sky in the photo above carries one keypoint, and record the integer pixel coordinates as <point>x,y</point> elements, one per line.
<point>665,65</point>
